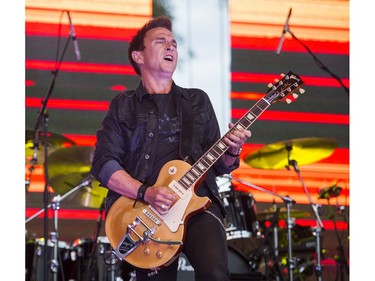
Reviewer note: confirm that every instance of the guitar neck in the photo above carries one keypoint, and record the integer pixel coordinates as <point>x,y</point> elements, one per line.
<point>218,149</point>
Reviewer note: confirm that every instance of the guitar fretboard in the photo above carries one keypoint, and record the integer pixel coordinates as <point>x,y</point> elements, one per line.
<point>218,149</point>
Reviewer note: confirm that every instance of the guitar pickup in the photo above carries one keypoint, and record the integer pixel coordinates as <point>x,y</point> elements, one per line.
<point>178,189</point>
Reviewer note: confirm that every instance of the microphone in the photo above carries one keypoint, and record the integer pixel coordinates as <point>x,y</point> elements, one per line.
<point>330,192</point>
<point>73,34</point>
<point>286,26</point>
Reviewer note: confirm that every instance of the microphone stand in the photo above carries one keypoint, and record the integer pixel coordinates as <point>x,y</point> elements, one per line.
<point>88,272</point>
<point>290,221</point>
<point>319,62</point>
<point>319,224</point>
<point>43,118</point>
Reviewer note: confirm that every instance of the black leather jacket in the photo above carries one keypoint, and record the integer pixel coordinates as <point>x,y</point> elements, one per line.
<point>130,129</point>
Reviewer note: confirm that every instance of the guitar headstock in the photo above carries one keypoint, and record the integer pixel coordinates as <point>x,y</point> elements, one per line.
<point>284,89</point>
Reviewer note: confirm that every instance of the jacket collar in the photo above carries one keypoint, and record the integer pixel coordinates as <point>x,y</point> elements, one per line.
<point>141,91</point>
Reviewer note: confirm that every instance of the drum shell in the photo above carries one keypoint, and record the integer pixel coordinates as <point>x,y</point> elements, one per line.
<point>63,260</point>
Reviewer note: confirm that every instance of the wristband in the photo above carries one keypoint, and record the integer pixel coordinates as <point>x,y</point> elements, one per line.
<point>233,155</point>
<point>141,193</point>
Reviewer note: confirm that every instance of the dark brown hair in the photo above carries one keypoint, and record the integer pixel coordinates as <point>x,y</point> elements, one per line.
<point>137,42</point>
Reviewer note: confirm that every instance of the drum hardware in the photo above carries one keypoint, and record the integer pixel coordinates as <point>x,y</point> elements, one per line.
<point>319,224</point>
<point>266,253</point>
<point>289,220</point>
<point>332,192</point>
<point>282,155</point>
<point>241,220</point>
<point>54,264</point>
<point>60,264</point>
<point>295,213</point>
<point>88,272</point>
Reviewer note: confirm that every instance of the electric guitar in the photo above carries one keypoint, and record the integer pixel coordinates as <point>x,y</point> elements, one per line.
<point>146,239</point>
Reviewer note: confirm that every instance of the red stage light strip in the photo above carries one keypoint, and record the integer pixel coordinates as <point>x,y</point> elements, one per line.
<point>75,214</point>
<point>289,45</point>
<point>246,95</point>
<point>82,139</point>
<point>87,32</point>
<point>69,104</point>
<point>81,67</point>
<point>303,117</point>
<point>327,224</point>
<point>246,77</point>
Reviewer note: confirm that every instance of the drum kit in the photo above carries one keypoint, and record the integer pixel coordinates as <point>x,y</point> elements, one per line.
<point>255,240</point>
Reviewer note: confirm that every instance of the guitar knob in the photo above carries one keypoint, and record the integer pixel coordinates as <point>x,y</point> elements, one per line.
<point>146,251</point>
<point>159,254</point>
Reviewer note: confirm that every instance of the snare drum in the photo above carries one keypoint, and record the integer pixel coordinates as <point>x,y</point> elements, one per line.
<point>63,270</point>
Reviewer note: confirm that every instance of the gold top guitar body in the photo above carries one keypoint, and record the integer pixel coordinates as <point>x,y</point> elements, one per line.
<point>141,218</point>
<point>146,239</point>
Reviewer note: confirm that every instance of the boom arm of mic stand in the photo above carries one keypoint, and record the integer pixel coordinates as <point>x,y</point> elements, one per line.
<point>288,201</point>
<point>83,184</point>
<point>319,62</point>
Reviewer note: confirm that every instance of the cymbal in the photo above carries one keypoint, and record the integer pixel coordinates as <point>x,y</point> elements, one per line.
<point>67,167</point>
<point>303,150</point>
<point>294,213</point>
<point>54,141</point>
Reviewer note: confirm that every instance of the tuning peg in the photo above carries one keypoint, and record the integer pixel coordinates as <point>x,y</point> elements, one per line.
<point>301,90</point>
<point>276,80</point>
<point>288,101</point>
<point>269,85</point>
<point>295,96</point>
<point>282,75</point>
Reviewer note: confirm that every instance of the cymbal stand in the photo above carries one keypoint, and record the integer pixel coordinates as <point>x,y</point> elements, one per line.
<point>54,266</point>
<point>85,182</point>
<point>319,223</point>
<point>290,221</point>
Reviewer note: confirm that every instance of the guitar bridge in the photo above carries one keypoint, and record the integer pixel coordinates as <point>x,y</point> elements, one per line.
<point>128,244</point>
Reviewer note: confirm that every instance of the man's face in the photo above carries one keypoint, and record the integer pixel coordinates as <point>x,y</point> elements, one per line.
<point>160,54</point>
